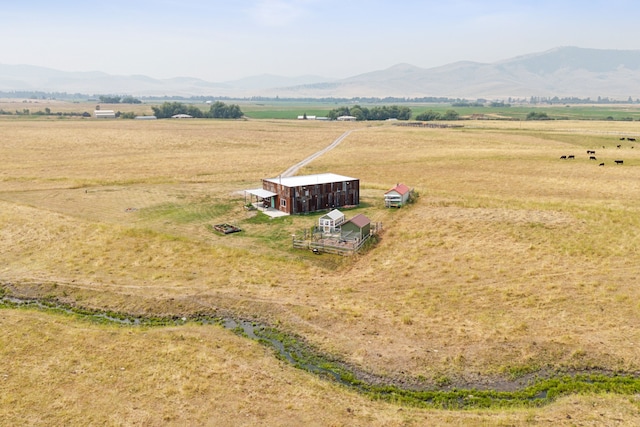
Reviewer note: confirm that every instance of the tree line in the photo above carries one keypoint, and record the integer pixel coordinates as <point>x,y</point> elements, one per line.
<point>218,110</point>
<point>374,113</point>
<point>430,115</point>
<point>113,99</point>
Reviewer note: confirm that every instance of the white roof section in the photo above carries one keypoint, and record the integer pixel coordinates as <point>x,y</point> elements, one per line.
<point>259,192</point>
<point>334,215</point>
<point>322,178</point>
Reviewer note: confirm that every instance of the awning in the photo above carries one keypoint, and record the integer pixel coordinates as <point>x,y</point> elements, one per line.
<point>259,192</point>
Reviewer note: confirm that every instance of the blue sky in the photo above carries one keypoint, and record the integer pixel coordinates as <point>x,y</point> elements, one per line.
<point>224,40</point>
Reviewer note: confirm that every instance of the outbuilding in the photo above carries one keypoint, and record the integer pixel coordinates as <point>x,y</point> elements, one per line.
<point>104,114</point>
<point>328,223</point>
<point>357,228</point>
<point>397,196</point>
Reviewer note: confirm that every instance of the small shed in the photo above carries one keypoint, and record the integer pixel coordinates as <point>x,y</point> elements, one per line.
<point>330,221</point>
<point>397,196</point>
<point>357,228</point>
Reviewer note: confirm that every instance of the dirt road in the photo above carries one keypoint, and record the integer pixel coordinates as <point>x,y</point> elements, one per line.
<point>293,169</point>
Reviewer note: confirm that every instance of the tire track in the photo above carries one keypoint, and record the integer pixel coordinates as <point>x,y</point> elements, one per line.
<point>294,169</point>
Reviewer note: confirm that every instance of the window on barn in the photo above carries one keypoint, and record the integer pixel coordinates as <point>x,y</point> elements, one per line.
<point>283,203</point>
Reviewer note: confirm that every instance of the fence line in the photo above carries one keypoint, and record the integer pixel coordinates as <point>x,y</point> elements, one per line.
<point>345,248</point>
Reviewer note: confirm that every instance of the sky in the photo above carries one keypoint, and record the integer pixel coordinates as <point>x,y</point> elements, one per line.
<point>223,40</point>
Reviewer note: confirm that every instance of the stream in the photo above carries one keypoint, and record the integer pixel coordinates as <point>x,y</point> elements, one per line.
<point>298,354</point>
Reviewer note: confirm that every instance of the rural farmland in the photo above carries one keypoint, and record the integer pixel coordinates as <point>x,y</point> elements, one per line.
<point>512,266</point>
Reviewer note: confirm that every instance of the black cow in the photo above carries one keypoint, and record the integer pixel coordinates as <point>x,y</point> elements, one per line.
<point>618,146</point>
<point>631,139</point>
<point>591,152</point>
<point>571,156</point>
<point>619,162</point>
<point>592,158</point>
<point>601,164</point>
<point>563,157</point>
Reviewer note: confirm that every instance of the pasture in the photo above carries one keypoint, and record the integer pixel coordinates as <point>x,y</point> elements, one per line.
<point>512,263</point>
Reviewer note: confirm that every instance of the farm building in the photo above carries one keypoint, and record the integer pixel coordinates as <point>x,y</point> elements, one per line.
<point>344,239</point>
<point>104,114</point>
<point>330,221</point>
<point>397,196</point>
<point>308,193</point>
<point>357,228</point>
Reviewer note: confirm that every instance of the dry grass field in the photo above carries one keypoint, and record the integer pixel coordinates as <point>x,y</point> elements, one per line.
<point>512,262</point>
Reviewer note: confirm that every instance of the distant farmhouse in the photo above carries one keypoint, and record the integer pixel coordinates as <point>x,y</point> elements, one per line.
<point>104,114</point>
<point>305,117</point>
<point>308,193</point>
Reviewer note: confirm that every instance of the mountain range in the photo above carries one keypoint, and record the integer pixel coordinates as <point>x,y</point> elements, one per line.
<point>563,72</point>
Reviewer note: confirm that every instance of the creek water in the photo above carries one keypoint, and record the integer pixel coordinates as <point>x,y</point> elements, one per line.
<point>297,354</point>
<point>252,330</point>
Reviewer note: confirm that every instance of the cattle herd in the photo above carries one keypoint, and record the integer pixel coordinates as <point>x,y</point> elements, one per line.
<point>592,153</point>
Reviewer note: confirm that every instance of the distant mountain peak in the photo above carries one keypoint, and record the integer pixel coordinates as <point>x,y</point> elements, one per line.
<point>403,66</point>
<point>562,71</point>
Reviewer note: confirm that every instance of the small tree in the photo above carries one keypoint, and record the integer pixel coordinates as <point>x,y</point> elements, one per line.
<point>428,116</point>
<point>533,115</point>
<point>450,115</point>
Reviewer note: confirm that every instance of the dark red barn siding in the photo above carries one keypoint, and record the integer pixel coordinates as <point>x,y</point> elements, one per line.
<point>313,192</point>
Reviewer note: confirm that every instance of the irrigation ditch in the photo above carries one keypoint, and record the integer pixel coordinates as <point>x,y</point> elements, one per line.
<point>538,390</point>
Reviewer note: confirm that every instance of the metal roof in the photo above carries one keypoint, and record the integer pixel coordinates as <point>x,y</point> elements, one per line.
<point>297,181</point>
<point>259,192</point>
<point>400,189</point>
<point>360,220</point>
<point>334,214</point>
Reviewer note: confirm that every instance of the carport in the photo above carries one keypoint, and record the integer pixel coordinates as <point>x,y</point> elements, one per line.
<point>264,199</point>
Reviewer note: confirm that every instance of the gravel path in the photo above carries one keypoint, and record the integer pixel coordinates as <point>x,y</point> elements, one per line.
<point>293,169</point>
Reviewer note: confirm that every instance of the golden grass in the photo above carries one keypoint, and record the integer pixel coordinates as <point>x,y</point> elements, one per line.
<point>510,260</point>
<point>60,371</point>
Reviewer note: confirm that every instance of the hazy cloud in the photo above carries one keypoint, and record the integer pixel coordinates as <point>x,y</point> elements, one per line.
<point>277,13</point>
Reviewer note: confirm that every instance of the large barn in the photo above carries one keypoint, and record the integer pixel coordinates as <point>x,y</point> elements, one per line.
<point>310,193</point>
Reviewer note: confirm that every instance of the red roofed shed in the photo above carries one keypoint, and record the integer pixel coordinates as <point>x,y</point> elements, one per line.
<point>397,196</point>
